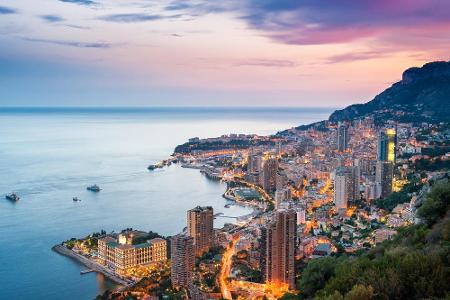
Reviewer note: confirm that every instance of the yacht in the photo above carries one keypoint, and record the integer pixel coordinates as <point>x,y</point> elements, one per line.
<point>94,188</point>
<point>12,197</point>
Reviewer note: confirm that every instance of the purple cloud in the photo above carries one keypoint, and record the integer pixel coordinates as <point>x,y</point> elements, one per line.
<point>333,21</point>
<point>355,56</point>
<point>135,18</point>
<point>267,63</point>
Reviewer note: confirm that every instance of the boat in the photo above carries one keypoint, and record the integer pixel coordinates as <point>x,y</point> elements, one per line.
<point>12,197</point>
<point>151,167</point>
<point>94,188</point>
<point>75,199</point>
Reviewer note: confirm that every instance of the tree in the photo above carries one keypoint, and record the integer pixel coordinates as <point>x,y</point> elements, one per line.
<point>316,274</point>
<point>436,204</point>
<point>360,292</point>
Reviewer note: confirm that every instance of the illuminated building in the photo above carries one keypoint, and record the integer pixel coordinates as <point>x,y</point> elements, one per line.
<point>120,255</point>
<point>384,176</point>
<point>269,174</point>
<point>200,227</point>
<point>356,177</point>
<point>183,260</point>
<point>387,145</point>
<point>278,249</point>
<point>301,216</point>
<point>342,137</point>
<point>281,196</point>
<point>346,186</point>
<point>254,162</point>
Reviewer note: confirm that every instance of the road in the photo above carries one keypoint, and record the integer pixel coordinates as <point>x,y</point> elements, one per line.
<point>226,269</point>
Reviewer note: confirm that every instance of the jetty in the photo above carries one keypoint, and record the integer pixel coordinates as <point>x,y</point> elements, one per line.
<point>91,265</point>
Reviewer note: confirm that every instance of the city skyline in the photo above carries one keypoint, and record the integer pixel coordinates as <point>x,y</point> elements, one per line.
<point>251,53</point>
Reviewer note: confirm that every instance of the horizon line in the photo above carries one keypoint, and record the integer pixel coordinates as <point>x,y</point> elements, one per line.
<point>125,107</point>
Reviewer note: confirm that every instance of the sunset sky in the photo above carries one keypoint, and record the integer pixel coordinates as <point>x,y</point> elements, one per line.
<point>213,53</point>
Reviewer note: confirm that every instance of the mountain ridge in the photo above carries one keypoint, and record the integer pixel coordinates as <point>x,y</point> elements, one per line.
<point>422,95</point>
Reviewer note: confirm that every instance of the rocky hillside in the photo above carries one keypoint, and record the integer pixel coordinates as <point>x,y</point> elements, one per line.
<point>423,94</point>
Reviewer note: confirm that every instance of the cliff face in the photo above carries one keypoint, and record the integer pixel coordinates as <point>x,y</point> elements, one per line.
<point>423,94</point>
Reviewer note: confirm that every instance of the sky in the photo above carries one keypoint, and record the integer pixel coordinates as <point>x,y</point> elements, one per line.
<point>315,53</point>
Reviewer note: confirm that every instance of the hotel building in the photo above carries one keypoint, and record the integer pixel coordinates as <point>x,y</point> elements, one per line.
<point>121,254</point>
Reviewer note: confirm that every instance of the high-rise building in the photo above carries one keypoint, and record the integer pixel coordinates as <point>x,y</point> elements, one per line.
<point>384,175</point>
<point>282,195</point>
<point>342,137</point>
<point>278,249</point>
<point>346,186</point>
<point>356,177</point>
<point>301,215</point>
<point>269,174</point>
<point>281,180</point>
<point>372,190</point>
<point>254,162</point>
<point>200,227</point>
<point>341,191</point>
<point>387,145</point>
<point>183,260</point>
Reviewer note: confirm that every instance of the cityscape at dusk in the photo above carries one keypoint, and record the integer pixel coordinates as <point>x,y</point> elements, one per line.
<point>224,150</point>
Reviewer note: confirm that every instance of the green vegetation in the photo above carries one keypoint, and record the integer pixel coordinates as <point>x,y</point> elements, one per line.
<point>391,201</point>
<point>243,269</point>
<point>213,251</point>
<point>414,265</point>
<point>90,242</point>
<point>157,284</point>
<point>431,164</point>
<point>145,237</point>
<point>437,204</point>
<point>219,145</point>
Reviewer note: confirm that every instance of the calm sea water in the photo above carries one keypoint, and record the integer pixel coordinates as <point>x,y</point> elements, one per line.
<point>49,156</point>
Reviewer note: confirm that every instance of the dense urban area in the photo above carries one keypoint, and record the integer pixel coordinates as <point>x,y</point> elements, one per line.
<point>354,207</point>
<point>340,210</point>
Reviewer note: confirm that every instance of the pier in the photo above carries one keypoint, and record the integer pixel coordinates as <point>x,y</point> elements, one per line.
<point>93,266</point>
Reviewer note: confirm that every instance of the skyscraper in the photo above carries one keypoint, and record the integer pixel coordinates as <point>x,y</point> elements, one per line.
<point>342,188</point>
<point>200,227</point>
<point>282,195</point>
<point>342,137</point>
<point>278,249</point>
<point>387,145</point>
<point>254,162</point>
<point>384,175</point>
<point>269,174</point>
<point>346,186</point>
<point>356,176</point>
<point>183,260</point>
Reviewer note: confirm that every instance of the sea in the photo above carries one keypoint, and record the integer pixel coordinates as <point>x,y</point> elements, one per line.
<point>50,155</point>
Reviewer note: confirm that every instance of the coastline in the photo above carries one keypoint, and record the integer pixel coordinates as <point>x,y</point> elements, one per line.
<point>60,249</point>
